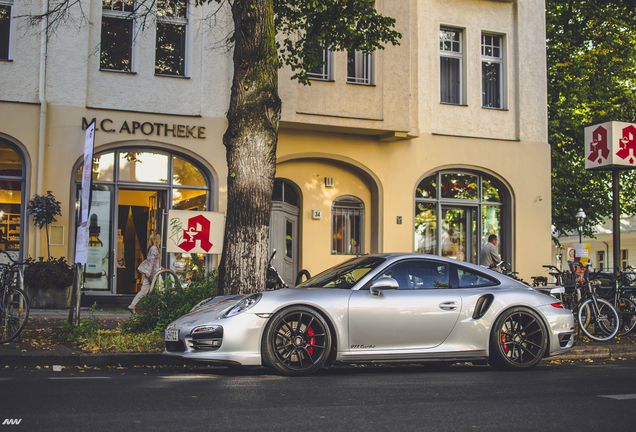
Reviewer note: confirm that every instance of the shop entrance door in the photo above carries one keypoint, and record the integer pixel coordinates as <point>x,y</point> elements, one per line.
<point>283,236</point>
<point>459,233</point>
<point>139,214</point>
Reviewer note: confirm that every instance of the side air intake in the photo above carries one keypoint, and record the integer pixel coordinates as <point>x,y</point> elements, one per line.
<point>482,306</point>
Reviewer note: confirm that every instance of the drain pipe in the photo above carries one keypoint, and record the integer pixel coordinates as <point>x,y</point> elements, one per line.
<point>39,189</point>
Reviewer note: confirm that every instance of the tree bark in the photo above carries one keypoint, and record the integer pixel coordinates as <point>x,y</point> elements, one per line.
<point>250,142</point>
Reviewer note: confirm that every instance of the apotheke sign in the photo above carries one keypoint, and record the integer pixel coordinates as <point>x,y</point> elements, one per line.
<point>147,128</point>
<point>610,145</point>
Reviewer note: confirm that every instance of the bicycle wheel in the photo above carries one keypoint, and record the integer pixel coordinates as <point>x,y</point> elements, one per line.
<point>15,311</point>
<point>627,314</point>
<point>602,323</point>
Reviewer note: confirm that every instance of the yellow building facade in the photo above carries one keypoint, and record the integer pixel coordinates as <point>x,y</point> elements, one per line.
<point>429,146</point>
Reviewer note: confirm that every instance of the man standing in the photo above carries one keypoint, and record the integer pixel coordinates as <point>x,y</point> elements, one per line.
<point>489,256</point>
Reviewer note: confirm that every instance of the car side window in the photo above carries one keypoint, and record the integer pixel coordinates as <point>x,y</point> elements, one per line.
<point>467,278</point>
<point>418,274</point>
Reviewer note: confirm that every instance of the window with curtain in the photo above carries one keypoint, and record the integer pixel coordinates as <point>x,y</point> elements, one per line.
<point>450,46</point>
<point>347,220</point>
<point>491,71</point>
<point>359,68</point>
<point>172,22</point>
<point>116,51</point>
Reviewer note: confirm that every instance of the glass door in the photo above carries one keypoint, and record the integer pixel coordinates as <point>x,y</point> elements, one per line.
<point>459,233</point>
<point>139,215</point>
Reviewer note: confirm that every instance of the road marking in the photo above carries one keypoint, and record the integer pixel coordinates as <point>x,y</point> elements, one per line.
<point>619,397</point>
<point>187,377</point>
<point>79,378</point>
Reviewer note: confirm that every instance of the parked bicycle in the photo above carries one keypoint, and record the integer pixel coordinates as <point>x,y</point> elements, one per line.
<point>621,295</point>
<point>14,303</point>
<point>596,317</point>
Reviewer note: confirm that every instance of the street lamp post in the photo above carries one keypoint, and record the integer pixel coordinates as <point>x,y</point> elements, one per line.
<point>580,219</point>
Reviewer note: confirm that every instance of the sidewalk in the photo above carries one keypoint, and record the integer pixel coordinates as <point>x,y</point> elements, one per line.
<point>27,353</point>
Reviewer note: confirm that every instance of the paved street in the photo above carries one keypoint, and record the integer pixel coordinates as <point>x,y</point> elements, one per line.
<point>583,395</point>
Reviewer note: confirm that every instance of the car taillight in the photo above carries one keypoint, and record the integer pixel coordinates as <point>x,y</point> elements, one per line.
<point>558,305</point>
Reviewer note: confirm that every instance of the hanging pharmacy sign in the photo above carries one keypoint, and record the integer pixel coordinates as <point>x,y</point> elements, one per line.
<point>610,145</point>
<point>195,232</point>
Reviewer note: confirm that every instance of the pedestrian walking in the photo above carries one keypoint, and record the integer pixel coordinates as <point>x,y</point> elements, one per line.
<point>149,268</point>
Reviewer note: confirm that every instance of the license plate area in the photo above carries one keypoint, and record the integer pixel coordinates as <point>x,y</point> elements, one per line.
<point>171,336</point>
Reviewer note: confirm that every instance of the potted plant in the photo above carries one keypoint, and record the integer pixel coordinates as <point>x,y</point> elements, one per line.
<point>48,282</point>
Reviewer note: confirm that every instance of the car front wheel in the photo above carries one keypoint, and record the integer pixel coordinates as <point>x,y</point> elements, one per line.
<point>296,342</point>
<point>518,340</point>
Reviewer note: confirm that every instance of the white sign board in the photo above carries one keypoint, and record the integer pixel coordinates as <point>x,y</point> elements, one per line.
<point>195,232</point>
<point>81,243</point>
<point>609,145</point>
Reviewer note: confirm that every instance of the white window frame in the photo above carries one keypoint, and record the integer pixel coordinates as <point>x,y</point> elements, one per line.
<point>339,208</point>
<point>624,258</point>
<point>453,54</point>
<point>600,256</point>
<point>327,68</point>
<point>122,14</point>
<point>362,61</point>
<point>177,21</point>
<point>494,59</point>
<point>9,3</point>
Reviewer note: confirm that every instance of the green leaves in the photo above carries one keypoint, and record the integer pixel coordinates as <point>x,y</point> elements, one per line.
<point>43,209</point>
<point>591,56</point>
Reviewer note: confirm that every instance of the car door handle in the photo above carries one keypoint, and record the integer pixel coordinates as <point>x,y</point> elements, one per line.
<point>449,305</point>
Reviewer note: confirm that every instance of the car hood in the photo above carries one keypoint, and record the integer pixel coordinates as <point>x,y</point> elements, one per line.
<point>211,309</point>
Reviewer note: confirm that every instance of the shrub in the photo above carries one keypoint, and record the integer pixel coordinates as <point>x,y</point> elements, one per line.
<point>54,272</point>
<point>169,302</point>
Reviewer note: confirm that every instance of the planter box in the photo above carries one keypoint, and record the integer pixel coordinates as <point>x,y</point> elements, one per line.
<point>49,298</point>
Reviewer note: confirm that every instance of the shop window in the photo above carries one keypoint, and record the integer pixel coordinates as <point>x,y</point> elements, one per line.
<point>117,35</point>
<point>491,71</point>
<point>132,191</point>
<point>451,64</point>
<point>5,28</point>
<point>172,22</point>
<point>455,212</point>
<point>12,177</point>
<point>359,68</point>
<point>347,220</point>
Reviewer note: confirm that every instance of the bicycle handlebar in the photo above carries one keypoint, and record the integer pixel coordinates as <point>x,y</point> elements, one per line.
<point>9,256</point>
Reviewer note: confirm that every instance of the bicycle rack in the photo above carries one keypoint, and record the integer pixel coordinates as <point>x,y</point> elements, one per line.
<point>154,279</point>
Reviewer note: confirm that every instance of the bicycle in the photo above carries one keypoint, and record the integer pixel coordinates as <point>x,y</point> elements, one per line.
<point>596,317</point>
<point>14,303</point>
<point>622,300</point>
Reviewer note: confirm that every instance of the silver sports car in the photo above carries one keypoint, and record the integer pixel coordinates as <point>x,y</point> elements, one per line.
<point>379,308</point>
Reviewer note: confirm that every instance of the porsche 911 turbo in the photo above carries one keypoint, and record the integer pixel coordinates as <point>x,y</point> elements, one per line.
<point>383,308</point>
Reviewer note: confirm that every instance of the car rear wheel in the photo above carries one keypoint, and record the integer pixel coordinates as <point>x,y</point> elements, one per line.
<point>296,342</point>
<point>518,340</point>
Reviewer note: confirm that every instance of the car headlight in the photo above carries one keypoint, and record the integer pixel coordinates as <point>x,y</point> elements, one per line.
<point>243,305</point>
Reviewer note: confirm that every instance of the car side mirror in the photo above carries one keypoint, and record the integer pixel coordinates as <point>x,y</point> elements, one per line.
<point>386,283</point>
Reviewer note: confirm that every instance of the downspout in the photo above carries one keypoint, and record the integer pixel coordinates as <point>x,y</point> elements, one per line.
<point>44,31</point>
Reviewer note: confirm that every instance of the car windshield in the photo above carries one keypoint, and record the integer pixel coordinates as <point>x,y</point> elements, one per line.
<point>344,275</point>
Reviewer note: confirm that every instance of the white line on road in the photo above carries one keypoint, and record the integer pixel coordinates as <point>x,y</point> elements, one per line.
<point>187,377</point>
<point>79,378</point>
<point>619,397</point>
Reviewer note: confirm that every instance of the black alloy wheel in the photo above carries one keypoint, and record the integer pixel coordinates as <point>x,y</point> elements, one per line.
<point>518,341</point>
<point>296,342</point>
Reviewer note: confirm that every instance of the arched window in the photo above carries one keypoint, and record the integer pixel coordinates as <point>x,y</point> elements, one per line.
<point>456,211</point>
<point>347,226</point>
<point>12,177</point>
<point>132,190</point>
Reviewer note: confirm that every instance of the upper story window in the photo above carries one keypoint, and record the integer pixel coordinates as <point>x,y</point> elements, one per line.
<point>491,71</point>
<point>359,68</point>
<point>347,217</point>
<point>117,35</point>
<point>451,58</point>
<point>5,28</point>
<point>322,71</point>
<point>172,22</point>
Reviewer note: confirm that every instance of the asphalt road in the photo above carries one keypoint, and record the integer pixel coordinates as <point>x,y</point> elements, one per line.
<point>582,396</point>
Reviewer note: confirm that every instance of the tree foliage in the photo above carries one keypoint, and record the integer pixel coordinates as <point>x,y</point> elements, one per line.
<point>43,210</point>
<point>591,57</point>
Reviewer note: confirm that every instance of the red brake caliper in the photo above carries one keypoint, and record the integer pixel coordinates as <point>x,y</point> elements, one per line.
<point>312,341</point>
<point>503,342</point>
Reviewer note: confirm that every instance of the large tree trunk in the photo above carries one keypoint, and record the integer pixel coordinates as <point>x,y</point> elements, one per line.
<point>250,142</point>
